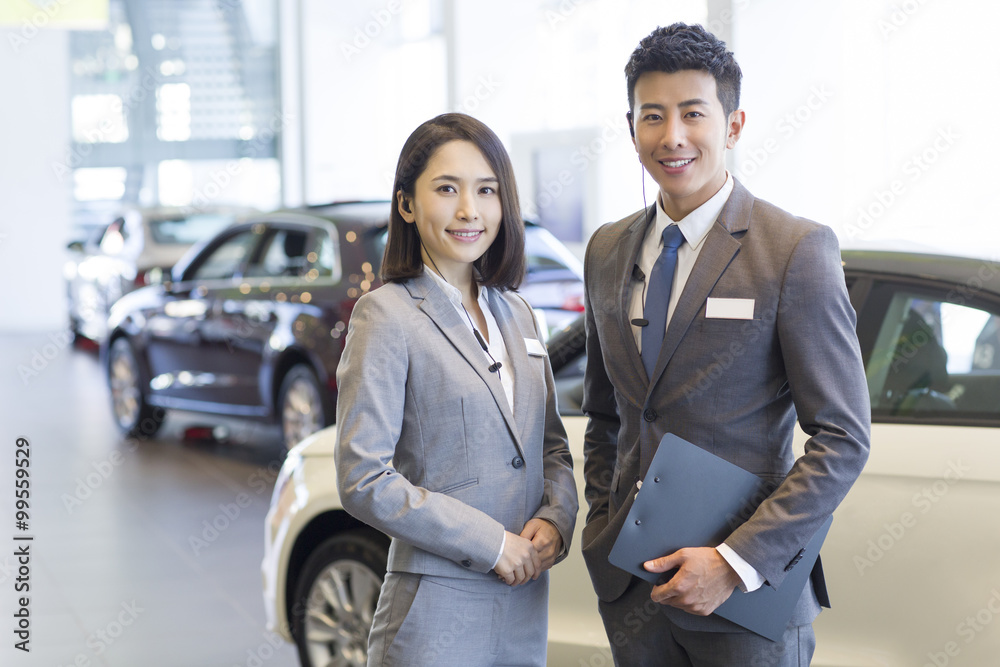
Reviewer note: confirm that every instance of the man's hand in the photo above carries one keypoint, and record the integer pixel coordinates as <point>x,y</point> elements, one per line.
<point>703,581</point>
<point>519,560</point>
<point>546,540</point>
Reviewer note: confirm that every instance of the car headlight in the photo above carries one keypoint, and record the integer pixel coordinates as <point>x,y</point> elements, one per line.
<point>292,461</point>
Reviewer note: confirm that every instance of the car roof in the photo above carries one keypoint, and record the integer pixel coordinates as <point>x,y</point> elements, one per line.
<point>978,274</point>
<point>362,213</point>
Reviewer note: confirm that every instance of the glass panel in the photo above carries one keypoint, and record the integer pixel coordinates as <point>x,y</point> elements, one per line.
<point>326,258</point>
<point>173,112</point>
<point>187,230</point>
<point>283,253</point>
<point>99,183</point>
<point>99,119</point>
<point>934,359</point>
<point>226,260</point>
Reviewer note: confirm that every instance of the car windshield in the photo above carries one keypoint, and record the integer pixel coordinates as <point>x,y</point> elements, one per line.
<point>187,230</point>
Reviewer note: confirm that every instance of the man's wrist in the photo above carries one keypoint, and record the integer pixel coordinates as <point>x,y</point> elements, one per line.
<point>749,578</point>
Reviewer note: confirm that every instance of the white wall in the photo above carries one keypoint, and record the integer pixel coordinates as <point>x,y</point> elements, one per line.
<point>877,115</point>
<point>34,200</point>
<point>529,70</point>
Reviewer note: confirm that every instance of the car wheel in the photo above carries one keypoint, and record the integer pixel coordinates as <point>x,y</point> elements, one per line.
<point>303,405</point>
<point>134,416</point>
<point>335,599</point>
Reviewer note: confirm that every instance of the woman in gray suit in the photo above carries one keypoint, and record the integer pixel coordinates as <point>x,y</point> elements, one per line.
<point>448,436</point>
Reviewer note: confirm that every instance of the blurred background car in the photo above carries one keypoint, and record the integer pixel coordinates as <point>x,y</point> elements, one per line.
<point>137,248</point>
<point>252,321</point>
<point>932,483</point>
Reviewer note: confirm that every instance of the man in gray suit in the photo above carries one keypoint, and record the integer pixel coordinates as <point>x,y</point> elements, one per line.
<point>718,317</point>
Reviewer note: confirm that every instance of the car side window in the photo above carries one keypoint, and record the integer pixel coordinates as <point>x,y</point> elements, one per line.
<point>227,258</point>
<point>932,360</point>
<point>324,258</point>
<point>283,253</point>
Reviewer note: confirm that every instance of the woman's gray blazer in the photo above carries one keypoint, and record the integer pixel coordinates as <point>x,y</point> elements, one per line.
<point>428,451</point>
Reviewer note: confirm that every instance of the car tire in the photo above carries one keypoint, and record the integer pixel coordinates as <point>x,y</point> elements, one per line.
<point>303,406</point>
<point>335,599</point>
<point>132,413</point>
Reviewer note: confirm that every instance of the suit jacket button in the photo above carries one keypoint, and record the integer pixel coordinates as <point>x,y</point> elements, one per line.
<point>466,563</point>
<point>649,415</point>
<point>517,462</point>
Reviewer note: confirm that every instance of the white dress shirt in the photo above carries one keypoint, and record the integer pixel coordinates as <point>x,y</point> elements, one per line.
<point>694,227</point>
<point>495,344</point>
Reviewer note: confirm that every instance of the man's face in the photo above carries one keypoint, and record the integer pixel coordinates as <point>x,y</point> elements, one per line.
<point>681,136</point>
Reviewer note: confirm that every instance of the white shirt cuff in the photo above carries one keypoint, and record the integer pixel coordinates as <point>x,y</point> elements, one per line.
<point>750,579</point>
<point>503,543</point>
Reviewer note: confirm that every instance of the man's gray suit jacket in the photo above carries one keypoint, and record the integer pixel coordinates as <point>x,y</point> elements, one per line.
<point>730,386</point>
<point>428,450</point>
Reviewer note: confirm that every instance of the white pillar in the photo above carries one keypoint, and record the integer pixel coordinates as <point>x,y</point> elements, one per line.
<point>36,178</point>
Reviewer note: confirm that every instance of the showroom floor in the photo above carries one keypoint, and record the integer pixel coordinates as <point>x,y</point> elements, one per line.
<point>142,552</point>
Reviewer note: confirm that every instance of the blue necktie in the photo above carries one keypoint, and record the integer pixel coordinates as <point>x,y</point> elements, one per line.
<point>661,278</point>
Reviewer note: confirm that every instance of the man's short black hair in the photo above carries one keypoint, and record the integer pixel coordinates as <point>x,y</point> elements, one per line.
<point>680,47</point>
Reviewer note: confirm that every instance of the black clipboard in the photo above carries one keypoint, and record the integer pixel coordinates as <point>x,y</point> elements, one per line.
<point>690,497</point>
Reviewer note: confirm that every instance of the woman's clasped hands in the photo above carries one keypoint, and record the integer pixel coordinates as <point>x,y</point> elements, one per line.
<point>527,555</point>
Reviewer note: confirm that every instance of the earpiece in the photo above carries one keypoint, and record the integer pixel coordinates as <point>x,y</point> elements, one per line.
<point>404,202</point>
<point>631,129</point>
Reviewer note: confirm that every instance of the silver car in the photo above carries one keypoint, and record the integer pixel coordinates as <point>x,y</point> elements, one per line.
<point>911,559</point>
<point>137,248</point>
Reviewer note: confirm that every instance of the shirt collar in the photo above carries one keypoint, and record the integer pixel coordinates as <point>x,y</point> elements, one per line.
<point>695,225</point>
<point>453,293</point>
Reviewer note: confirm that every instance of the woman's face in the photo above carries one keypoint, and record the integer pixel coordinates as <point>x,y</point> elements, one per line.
<point>456,208</point>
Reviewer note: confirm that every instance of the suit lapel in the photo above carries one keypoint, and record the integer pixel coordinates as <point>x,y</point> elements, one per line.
<point>719,250</point>
<point>517,352</point>
<point>628,254</point>
<point>436,305</point>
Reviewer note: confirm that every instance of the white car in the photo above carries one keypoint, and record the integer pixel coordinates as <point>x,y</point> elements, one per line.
<point>911,559</point>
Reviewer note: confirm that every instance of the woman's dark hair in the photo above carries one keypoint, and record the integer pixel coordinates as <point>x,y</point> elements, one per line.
<point>503,264</point>
<point>680,47</point>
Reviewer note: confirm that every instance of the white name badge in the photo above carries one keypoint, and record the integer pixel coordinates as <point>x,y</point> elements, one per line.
<point>535,347</point>
<point>729,309</point>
